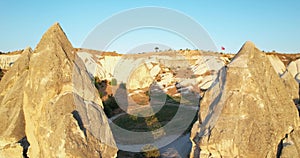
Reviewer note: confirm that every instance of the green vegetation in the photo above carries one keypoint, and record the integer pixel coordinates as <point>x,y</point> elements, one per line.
<point>156,121</point>
<point>150,151</point>
<point>147,151</point>
<point>110,105</point>
<point>143,124</point>
<point>100,94</point>
<point>113,82</point>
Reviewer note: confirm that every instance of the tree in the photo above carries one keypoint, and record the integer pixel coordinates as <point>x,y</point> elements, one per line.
<point>156,49</point>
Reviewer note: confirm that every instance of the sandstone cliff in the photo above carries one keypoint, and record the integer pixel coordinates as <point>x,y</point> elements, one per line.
<point>247,112</point>
<point>49,100</point>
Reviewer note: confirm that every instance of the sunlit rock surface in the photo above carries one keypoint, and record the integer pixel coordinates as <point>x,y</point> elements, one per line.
<point>247,112</point>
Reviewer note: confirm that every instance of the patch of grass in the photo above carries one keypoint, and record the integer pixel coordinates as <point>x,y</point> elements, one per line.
<point>160,124</point>
<point>150,123</point>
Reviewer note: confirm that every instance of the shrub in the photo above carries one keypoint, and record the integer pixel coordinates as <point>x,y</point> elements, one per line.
<point>110,105</point>
<point>113,82</point>
<point>150,151</point>
<point>100,94</point>
<point>107,110</point>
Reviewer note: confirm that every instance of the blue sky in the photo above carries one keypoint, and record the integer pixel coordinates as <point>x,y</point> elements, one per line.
<point>271,25</point>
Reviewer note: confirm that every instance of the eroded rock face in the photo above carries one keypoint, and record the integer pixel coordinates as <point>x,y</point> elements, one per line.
<point>290,145</point>
<point>7,60</point>
<point>247,112</point>
<point>140,70</point>
<point>100,64</point>
<point>289,81</point>
<point>12,120</point>
<point>58,107</point>
<point>294,67</point>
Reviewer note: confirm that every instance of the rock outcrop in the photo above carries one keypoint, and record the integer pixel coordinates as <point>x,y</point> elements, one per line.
<point>294,69</point>
<point>140,70</point>
<point>50,102</point>
<point>291,145</point>
<point>7,60</point>
<point>288,79</point>
<point>100,64</point>
<point>247,112</point>
<point>12,119</point>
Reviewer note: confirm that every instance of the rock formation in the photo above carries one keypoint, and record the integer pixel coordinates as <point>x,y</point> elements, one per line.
<point>100,64</point>
<point>7,60</point>
<point>247,112</point>
<point>134,68</point>
<point>49,101</point>
<point>291,145</point>
<point>294,69</point>
<point>12,119</point>
<point>288,79</point>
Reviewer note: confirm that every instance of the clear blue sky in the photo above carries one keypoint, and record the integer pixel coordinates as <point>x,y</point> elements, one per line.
<point>269,24</point>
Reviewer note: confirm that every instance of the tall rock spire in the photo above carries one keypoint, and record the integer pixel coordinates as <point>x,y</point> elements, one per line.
<point>247,112</point>
<point>53,38</point>
<point>57,104</point>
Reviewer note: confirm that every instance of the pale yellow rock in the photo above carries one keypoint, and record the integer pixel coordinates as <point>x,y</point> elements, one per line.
<point>290,145</point>
<point>154,70</point>
<point>134,69</point>
<point>247,112</point>
<point>102,66</point>
<point>63,115</point>
<point>7,60</point>
<point>11,100</point>
<point>140,78</point>
<point>11,151</point>
<point>289,81</point>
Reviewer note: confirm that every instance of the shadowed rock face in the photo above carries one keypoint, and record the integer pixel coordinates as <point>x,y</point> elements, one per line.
<point>290,145</point>
<point>247,112</point>
<point>289,81</point>
<point>49,97</point>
